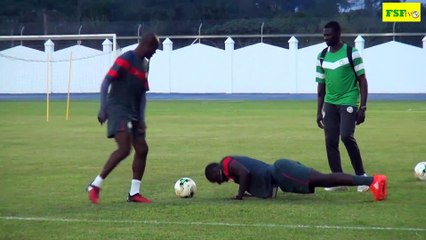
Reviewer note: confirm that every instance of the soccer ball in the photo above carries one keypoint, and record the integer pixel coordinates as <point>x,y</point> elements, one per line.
<point>185,187</point>
<point>420,171</point>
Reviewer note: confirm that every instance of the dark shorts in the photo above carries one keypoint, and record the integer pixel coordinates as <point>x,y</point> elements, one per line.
<point>292,176</point>
<point>122,123</point>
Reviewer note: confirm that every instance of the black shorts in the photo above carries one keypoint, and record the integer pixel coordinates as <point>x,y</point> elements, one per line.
<point>121,122</point>
<point>292,176</point>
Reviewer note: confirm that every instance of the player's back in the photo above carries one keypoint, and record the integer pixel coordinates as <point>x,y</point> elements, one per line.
<point>126,91</point>
<point>260,176</point>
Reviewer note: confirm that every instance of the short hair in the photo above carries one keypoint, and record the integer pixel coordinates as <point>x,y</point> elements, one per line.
<point>210,171</point>
<point>333,25</point>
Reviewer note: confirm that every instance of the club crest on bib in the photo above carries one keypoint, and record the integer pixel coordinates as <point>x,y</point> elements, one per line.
<point>350,109</point>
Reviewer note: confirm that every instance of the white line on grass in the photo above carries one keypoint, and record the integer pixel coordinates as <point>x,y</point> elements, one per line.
<point>266,225</point>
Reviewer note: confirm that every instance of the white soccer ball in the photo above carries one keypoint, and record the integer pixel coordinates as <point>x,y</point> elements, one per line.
<point>420,171</point>
<point>185,187</point>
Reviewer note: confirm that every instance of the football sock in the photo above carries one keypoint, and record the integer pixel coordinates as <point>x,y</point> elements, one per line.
<point>98,181</point>
<point>362,180</point>
<point>135,187</point>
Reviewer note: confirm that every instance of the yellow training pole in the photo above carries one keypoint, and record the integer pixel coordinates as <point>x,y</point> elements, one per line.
<point>68,90</point>
<point>48,87</point>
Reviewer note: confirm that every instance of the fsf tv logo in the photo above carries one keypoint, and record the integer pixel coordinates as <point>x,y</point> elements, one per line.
<point>401,12</point>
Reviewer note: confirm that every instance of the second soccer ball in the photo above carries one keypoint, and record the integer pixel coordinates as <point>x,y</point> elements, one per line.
<point>420,171</point>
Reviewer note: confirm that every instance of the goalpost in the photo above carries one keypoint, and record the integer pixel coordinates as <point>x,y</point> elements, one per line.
<point>16,62</point>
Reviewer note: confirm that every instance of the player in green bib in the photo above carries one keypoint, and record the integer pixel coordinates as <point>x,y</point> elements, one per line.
<point>342,99</point>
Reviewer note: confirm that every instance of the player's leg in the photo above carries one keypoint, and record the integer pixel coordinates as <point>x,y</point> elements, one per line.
<point>332,131</point>
<point>377,183</point>
<point>347,131</point>
<point>119,130</point>
<point>318,179</point>
<point>291,176</point>
<point>139,162</point>
<point>138,166</point>
<point>123,150</point>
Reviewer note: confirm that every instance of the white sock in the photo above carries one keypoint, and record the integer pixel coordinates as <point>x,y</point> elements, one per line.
<point>135,187</point>
<point>98,181</point>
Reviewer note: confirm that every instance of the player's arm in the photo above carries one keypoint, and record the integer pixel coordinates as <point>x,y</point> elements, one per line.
<point>363,86</point>
<point>102,114</point>
<point>142,107</point>
<point>243,175</point>
<point>118,69</point>
<point>320,79</point>
<point>320,103</point>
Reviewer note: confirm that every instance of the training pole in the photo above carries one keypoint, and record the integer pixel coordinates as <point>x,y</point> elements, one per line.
<point>68,89</point>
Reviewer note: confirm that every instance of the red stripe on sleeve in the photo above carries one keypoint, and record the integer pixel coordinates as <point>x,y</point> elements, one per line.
<point>112,73</point>
<point>137,73</point>
<point>122,63</point>
<point>141,76</point>
<point>225,167</point>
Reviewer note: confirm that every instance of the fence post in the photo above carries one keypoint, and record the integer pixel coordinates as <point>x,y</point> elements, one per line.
<point>359,44</point>
<point>107,50</point>
<point>107,46</point>
<point>229,65</point>
<point>49,48</point>
<point>167,49</point>
<point>293,47</point>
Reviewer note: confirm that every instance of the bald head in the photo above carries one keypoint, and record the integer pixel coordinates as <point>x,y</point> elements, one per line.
<point>150,39</point>
<point>148,44</point>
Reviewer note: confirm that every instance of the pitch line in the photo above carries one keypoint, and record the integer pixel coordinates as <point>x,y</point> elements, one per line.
<point>260,225</point>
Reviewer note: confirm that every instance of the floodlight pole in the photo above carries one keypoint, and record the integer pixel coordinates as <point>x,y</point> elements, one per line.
<point>139,31</point>
<point>22,31</point>
<point>393,30</point>
<point>199,32</point>
<point>79,32</point>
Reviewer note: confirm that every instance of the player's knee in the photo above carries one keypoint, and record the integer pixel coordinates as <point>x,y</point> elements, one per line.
<point>347,138</point>
<point>142,150</point>
<point>145,150</point>
<point>331,141</point>
<point>124,151</point>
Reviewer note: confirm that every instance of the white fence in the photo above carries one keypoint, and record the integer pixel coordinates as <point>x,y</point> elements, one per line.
<point>391,67</point>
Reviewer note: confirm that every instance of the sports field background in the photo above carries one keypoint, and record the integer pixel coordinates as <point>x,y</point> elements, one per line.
<point>45,166</point>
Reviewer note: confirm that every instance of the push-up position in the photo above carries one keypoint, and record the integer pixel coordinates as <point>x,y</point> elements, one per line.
<point>261,179</point>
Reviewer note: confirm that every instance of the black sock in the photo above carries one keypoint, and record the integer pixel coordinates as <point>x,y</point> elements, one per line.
<point>362,180</point>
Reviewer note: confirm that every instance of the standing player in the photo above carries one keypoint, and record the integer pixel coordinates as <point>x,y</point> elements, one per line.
<point>261,180</point>
<point>123,100</point>
<point>340,86</point>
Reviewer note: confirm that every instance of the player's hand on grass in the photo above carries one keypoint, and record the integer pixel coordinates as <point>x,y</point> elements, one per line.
<point>360,116</point>
<point>320,120</point>
<point>238,197</point>
<point>102,117</point>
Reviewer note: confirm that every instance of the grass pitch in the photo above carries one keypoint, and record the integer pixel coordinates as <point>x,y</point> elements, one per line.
<point>45,167</point>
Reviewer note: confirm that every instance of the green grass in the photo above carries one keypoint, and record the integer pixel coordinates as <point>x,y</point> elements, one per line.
<point>45,166</point>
